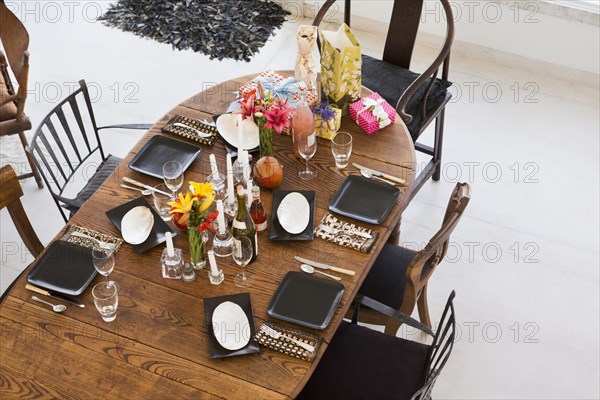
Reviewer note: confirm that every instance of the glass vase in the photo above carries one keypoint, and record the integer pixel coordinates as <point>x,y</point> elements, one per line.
<point>197,253</point>
<point>266,139</point>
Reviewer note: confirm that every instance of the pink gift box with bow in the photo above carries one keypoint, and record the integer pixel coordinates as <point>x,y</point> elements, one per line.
<point>372,113</point>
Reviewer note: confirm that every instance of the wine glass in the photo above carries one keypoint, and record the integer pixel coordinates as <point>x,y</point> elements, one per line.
<point>104,262</point>
<point>173,175</point>
<point>242,254</point>
<point>307,147</point>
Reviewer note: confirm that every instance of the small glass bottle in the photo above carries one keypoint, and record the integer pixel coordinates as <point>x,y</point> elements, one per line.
<point>257,211</point>
<point>189,274</point>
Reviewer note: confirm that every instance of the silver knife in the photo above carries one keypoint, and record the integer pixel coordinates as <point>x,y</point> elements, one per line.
<point>325,266</point>
<point>54,295</point>
<point>140,184</point>
<point>381,174</point>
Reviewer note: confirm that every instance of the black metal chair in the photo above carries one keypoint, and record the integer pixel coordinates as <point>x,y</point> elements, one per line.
<point>68,139</point>
<point>361,363</point>
<point>419,99</point>
<point>400,275</point>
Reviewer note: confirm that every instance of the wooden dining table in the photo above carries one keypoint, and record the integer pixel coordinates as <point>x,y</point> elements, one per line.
<point>158,345</point>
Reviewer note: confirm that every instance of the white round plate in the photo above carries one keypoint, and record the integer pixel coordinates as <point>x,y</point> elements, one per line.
<point>227,127</point>
<point>231,326</point>
<point>294,213</point>
<point>137,224</point>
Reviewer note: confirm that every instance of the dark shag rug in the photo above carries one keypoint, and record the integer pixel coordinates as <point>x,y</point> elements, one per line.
<point>218,28</point>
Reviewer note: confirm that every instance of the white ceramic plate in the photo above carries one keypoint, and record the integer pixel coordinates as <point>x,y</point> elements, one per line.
<point>231,326</point>
<point>294,213</point>
<point>137,224</point>
<point>227,127</point>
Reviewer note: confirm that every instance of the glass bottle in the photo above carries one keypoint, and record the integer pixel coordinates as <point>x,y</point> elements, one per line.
<point>243,224</point>
<point>303,121</point>
<point>257,210</point>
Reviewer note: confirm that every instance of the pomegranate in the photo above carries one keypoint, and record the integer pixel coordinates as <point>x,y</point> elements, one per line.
<point>268,172</point>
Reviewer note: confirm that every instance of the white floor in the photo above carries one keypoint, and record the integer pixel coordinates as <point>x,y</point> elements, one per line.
<point>524,260</point>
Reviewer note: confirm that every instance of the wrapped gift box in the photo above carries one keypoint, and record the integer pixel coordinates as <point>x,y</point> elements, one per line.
<point>327,130</point>
<point>250,88</point>
<point>372,113</point>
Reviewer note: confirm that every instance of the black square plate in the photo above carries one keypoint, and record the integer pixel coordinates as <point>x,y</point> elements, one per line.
<point>65,267</point>
<point>276,232</point>
<point>364,199</point>
<point>160,149</point>
<point>306,300</point>
<point>242,300</point>
<point>157,235</point>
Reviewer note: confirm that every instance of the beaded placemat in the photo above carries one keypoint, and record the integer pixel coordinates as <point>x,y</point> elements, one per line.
<point>189,131</point>
<point>88,241</point>
<point>284,345</point>
<point>344,233</point>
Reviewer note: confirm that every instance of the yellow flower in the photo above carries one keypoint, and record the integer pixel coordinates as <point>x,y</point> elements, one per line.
<point>182,205</point>
<point>205,193</point>
<point>202,189</point>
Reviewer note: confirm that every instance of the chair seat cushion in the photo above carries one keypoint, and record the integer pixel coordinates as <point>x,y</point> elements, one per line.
<point>361,363</point>
<point>387,278</point>
<point>104,170</point>
<point>390,81</point>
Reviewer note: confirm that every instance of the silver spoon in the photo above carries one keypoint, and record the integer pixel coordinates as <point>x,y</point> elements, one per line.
<point>144,192</point>
<point>369,175</point>
<point>55,308</point>
<point>310,270</point>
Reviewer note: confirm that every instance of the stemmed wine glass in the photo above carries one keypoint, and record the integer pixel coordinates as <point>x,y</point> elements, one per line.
<point>104,262</point>
<point>242,254</point>
<point>173,175</point>
<point>307,147</point>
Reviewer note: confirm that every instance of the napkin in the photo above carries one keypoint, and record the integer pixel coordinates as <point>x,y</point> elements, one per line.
<point>92,244</point>
<point>287,347</point>
<point>190,133</point>
<point>345,237</point>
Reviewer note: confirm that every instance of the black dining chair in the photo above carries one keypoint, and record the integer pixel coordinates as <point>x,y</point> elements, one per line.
<point>419,98</point>
<point>67,141</point>
<point>400,275</point>
<point>363,364</point>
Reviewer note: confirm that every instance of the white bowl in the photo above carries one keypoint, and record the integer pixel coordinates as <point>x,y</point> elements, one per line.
<point>137,224</point>
<point>227,127</point>
<point>231,326</point>
<point>294,213</point>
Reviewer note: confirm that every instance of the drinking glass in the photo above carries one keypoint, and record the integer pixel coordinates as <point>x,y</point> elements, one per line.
<point>242,253</point>
<point>173,175</point>
<point>307,147</point>
<point>104,262</point>
<point>341,147</point>
<point>106,299</point>
<point>161,201</point>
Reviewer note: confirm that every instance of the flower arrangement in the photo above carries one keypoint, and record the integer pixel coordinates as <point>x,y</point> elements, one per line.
<point>328,118</point>
<point>269,113</point>
<point>190,212</point>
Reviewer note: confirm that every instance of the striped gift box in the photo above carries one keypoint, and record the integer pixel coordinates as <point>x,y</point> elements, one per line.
<point>250,87</point>
<point>361,112</point>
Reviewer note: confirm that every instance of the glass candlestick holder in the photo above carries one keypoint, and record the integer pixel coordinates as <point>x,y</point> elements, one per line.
<point>217,278</point>
<point>223,243</point>
<point>230,206</point>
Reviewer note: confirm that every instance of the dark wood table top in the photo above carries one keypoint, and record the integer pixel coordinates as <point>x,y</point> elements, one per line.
<point>158,345</point>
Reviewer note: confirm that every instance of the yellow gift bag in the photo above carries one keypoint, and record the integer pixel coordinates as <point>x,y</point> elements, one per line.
<point>340,67</point>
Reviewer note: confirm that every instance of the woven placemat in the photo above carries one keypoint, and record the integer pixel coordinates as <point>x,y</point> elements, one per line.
<point>344,234</point>
<point>189,132</point>
<point>284,345</point>
<point>91,243</point>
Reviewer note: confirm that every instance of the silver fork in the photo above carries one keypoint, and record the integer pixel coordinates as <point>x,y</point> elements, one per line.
<point>199,133</point>
<point>101,244</point>
<point>276,335</point>
<point>335,231</point>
